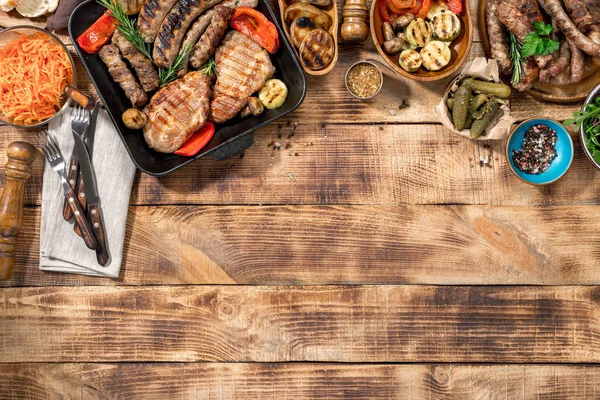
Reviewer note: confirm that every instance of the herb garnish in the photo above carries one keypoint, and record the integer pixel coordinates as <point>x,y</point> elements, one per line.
<point>589,119</point>
<point>515,57</point>
<point>539,43</point>
<point>209,68</point>
<point>168,75</point>
<point>127,26</point>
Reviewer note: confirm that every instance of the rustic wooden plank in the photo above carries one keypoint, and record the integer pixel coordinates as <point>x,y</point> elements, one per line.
<point>348,164</point>
<point>426,324</point>
<point>343,245</point>
<point>298,381</point>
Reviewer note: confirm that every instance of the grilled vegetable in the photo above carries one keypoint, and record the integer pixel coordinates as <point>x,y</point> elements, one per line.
<point>317,50</point>
<point>298,10</point>
<point>388,32</point>
<point>394,45</point>
<point>436,55</point>
<point>256,106</point>
<point>479,125</point>
<point>410,60</point>
<point>273,94</point>
<point>462,100</point>
<point>492,88</point>
<point>198,140</point>
<point>256,26</point>
<point>450,103</point>
<point>320,3</point>
<point>300,28</point>
<point>445,25</point>
<point>477,101</point>
<point>402,21</point>
<point>134,118</point>
<point>98,34</point>
<point>418,32</point>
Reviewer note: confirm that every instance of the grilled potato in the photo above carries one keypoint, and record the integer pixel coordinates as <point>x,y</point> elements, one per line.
<point>320,3</point>
<point>418,32</point>
<point>436,55</point>
<point>273,94</point>
<point>410,60</point>
<point>300,28</point>
<point>317,49</point>
<point>445,25</point>
<point>298,10</point>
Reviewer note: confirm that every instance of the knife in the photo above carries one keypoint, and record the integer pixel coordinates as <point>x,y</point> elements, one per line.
<point>93,200</point>
<point>88,140</point>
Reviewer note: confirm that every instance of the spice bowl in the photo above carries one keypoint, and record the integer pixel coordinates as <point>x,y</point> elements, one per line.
<point>563,147</point>
<point>364,80</point>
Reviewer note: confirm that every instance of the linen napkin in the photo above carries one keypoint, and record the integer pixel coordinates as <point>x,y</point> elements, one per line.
<point>60,18</point>
<point>61,249</point>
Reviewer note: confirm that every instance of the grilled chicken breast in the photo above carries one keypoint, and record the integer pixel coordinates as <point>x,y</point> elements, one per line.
<point>176,111</point>
<point>151,17</point>
<point>209,41</point>
<point>243,67</point>
<point>109,54</point>
<point>143,66</point>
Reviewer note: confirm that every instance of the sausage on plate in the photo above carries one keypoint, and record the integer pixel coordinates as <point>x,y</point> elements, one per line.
<point>151,17</point>
<point>497,37</point>
<point>559,65</point>
<point>577,63</point>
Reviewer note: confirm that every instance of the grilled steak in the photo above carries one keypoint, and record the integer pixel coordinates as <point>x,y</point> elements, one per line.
<point>151,17</point>
<point>174,27</point>
<point>242,69</point>
<point>120,73</point>
<point>176,111</point>
<point>209,41</point>
<point>143,66</point>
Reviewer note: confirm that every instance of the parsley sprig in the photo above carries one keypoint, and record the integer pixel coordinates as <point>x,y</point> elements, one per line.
<point>170,74</point>
<point>539,43</point>
<point>127,26</point>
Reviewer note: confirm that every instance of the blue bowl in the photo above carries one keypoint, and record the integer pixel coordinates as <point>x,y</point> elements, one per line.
<point>564,151</point>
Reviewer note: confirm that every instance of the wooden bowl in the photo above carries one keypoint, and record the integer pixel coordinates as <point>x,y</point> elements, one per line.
<point>332,11</point>
<point>460,48</point>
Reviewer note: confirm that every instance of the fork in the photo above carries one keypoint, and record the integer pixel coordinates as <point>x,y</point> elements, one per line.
<point>80,119</point>
<point>51,150</point>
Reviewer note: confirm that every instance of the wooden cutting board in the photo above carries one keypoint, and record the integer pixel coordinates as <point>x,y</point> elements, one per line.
<point>572,93</point>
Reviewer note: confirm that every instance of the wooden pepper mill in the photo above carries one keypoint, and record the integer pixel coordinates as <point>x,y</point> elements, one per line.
<point>355,27</point>
<point>18,170</point>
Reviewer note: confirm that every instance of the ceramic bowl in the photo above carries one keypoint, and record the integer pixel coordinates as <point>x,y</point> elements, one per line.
<point>10,34</point>
<point>582,136</point>
<point>564,149</point>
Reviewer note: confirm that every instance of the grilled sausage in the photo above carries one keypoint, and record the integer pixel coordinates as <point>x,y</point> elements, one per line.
<point>151,17</point>
<point>143,66</point>
<point>171,32</point>
<point>497,37</point>
<point>120,73</point>
<point>579,13</point>
<point>559,65</point>
<point>207,45</point>
<point>529,75</point>
<point>577,62</point>
<point>555,10</point>
<point>529,8</point>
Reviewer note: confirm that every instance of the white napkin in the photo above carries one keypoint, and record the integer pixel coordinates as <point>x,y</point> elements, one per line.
<point>61,249</point>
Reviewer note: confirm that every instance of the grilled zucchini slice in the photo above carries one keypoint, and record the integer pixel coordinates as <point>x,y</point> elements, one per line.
<point>273,94</point>
<point>418,32</point>
<point>300,28</point>
<point>445,25</point>
<point>410,60</point>
<point>435,55</point>
<point>317,50</point>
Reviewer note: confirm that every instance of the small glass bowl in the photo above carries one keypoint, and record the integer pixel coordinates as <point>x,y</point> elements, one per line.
<point>380,79</point>
<point>6,36</point>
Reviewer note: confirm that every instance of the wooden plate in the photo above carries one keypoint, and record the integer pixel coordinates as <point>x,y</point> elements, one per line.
<point>332,11</point>
<point>460,48</point>
<point>572,93</point>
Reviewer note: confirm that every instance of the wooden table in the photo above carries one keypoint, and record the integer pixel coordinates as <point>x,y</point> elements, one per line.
<point>375,258</point>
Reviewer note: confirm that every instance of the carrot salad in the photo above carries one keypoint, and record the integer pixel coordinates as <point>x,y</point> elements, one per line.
<point>34,71</point>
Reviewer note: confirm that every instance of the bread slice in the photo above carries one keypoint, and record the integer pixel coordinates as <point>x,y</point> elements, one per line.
<point>35,8</point>
<point>7,5</point>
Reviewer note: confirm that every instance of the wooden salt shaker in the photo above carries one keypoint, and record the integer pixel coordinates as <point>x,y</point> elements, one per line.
<point>18,170</point>
<point>355,27</point>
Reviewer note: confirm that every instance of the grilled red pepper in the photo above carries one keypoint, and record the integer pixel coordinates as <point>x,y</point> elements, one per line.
<point>98,34</point>
<point>198,140</point>
<point>384,11</point>
<point>256,26</point>
<point>424,9</point>
<point>456,6</point>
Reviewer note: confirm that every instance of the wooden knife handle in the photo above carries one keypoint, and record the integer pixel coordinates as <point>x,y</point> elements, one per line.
<point>84,225</point>
<point>95,213</point>
<point>17,171</point>
<point>72,178</point>
<point>82,200</point>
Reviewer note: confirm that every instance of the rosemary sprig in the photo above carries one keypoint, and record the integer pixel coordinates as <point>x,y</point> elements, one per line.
<point>170,74</point>
<point>209,68</point>
<point>127,26</point>
<point>515,56</point>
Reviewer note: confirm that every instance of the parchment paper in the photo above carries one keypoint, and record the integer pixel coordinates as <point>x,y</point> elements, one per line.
<point>500,126</point>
